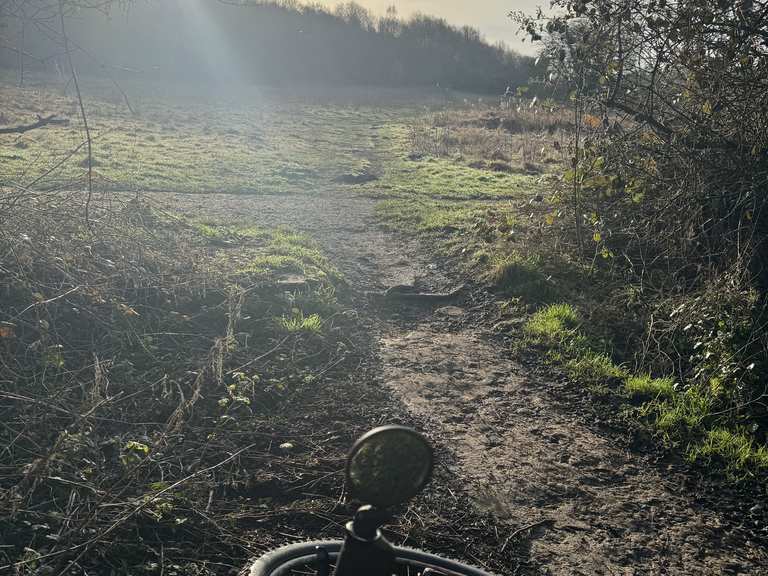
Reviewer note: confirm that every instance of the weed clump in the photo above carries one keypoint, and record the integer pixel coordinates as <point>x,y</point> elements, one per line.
<point>647,387</point>
<point>736,451</point>
<point>298,322</point>
<point>140,380</point>
<point>553,325</point>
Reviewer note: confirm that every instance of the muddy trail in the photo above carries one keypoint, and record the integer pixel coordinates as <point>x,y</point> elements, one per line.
<point>574,495</point>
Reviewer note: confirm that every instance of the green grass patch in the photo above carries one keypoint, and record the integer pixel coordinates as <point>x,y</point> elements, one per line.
<point>298,322</point>
<point>441,178</point>
<point>682,414</point>
<point>552,325</point>
<point>438,195</point>
<point>424,215</point>
<point>281,251</point>
<point>736,451</point>
<point>267,264</point>
<point>647,387</point>
<point>594,369</point>
<point>253,146</point>
<point>557,327</point>
<point>693,418</point>
<point>214,231</point>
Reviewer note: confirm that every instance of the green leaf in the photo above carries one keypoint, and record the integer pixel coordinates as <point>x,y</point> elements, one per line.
<point>133,446</point>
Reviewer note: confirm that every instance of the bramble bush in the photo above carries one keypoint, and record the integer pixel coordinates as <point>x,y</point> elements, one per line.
<point>668,184</point>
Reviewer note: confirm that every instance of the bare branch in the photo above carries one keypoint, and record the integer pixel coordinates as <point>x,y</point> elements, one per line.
<point>82,114</point>
<point>41,121</point>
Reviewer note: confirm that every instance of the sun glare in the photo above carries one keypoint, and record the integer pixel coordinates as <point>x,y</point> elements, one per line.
<point>212,47</point>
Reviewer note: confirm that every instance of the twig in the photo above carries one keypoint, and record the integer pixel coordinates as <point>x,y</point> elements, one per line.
<point>523,529</point>
<point>44,302</point>
<point>267,353</point>
<point>82,114</point>
<point>56,166</point>
<point>20,398</point>
<point>41,121</point>
<point>85,546</point>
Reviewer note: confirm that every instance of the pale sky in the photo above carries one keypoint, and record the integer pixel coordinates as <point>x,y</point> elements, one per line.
<point>489,16</point>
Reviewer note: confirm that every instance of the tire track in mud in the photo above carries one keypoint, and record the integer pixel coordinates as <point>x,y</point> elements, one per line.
<point>579,503</point>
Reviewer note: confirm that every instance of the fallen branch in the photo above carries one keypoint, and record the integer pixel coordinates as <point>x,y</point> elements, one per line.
<point>44,302</point>
<point>524,528</point>
<point>22,128</point>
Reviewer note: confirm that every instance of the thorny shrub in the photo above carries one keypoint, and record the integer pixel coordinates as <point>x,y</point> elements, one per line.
<point>667,186</point>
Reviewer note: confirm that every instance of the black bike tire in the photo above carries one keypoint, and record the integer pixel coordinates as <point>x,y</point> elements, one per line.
<point>277,562</point>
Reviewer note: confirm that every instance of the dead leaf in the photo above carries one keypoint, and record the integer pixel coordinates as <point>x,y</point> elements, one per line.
<point>127,310</point>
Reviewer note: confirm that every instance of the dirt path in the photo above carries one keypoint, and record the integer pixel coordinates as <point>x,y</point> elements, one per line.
<point>591,508</point>
<point>583,505</point>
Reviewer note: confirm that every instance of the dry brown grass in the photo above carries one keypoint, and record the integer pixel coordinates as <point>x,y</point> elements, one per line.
<point>144,382</point>
<point>502,139</point>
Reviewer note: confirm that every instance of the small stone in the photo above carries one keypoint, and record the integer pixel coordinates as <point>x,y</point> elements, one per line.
<point>287,446</point>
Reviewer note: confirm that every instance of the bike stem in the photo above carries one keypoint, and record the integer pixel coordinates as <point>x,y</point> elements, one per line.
<point>365,551</point>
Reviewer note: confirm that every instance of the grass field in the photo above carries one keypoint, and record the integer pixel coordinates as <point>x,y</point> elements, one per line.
<point>253,142</point>
<point>263,142</point>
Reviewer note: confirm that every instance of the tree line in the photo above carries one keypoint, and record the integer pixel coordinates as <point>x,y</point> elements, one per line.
<point>276,42</point>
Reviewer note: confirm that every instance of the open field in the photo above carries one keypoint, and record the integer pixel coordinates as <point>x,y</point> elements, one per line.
<point>181,374</point>
<point>253,142</point>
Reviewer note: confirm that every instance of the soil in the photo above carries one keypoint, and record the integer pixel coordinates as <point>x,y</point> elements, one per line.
<point>576,496</point>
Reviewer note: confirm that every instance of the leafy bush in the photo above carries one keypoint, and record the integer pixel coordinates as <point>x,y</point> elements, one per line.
<point>666,185</point>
